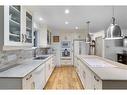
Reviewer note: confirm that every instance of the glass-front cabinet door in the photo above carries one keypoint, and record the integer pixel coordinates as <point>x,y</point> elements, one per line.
<point>17,26</point>
<point>28,35</point>
<point>14,23</point>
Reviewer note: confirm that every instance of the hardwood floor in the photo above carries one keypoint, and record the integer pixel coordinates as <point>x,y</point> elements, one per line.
<point>64,77</point>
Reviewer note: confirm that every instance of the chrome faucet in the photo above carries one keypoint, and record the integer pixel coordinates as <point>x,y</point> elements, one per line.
<point>35,52</point>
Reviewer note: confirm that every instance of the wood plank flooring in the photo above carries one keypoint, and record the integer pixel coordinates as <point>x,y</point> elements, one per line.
<point>64,77</point>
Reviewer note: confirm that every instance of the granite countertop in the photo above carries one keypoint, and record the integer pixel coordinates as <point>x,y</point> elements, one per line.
<point>110,71</point>
<point>24,68</point>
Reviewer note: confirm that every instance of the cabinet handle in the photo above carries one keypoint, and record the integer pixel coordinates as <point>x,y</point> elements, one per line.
<point>29,77</point>
<point>22,38</point>
<point>49,66</point>
<point>96,78</point>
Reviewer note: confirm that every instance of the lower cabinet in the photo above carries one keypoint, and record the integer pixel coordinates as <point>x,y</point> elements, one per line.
<point>97,82</point>
<point>49,68</point>
<point>40,77</point>
<point>34,80</point>
<point>28,82</point>
<point>88,78</point>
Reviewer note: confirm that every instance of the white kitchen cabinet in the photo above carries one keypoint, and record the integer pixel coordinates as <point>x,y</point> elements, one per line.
<point>79,70</point>
<point>39,77</point>
<point>88,78</point>
<point>27,27</point>
<point>49,68</point>
<point>28,82</point>
<point>97,82</point>
<point>13,27</point>
<point>44,36</point>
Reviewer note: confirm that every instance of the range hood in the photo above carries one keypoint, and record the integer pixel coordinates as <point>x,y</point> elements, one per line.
<point>114,31</point>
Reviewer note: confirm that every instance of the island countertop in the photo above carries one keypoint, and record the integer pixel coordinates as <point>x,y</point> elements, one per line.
<point>104,68</point>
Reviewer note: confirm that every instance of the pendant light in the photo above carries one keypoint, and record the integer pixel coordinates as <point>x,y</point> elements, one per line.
<point>88,37</point>
<point>114,30</point>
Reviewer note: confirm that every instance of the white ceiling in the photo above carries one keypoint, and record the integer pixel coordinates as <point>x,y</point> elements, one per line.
<point>99,16</point>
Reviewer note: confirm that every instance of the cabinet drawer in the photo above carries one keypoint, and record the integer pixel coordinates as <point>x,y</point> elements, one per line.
<point>66,62</point>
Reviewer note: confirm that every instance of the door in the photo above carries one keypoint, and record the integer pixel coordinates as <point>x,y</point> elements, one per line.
<point>99,46</point>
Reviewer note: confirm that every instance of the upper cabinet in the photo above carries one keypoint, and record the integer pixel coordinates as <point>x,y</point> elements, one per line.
<point>44,36</point>
<point>15,27</point>
<point>28,28</point>
<point>14,23</point>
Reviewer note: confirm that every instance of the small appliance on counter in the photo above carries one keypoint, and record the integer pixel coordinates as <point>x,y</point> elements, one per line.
<point>92,48</point>
<point>122,57</point>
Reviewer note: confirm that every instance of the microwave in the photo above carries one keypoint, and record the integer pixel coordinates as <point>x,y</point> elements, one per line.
<point>65,44</point>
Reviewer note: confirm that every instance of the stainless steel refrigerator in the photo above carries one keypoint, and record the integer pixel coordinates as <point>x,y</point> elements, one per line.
<point>81,47</point>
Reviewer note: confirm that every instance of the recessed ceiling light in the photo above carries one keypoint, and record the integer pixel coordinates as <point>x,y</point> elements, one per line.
<point>67,11</point>
<point>40,19</point>
<point>76,28</point>
<point>66,22</point>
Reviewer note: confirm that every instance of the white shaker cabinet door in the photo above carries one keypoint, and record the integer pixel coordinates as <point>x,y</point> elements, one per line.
<point>28,82</point>
<point>97,82</point>
<point>39,77</point>
<point>47,70</point>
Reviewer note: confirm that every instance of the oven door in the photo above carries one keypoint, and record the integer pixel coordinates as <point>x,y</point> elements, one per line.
<point>65,54</point>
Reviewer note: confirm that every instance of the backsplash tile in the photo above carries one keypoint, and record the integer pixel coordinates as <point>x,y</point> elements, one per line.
<point>18,54</point>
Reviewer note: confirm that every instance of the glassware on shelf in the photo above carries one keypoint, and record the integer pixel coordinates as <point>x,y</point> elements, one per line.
<point>14,23</point>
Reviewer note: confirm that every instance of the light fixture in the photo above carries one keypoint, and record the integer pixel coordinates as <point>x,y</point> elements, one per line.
<point>67,11</point>
<point>114,30</point>
<point>40,19</point>
<point>66,22</point>
<point>76,28</point>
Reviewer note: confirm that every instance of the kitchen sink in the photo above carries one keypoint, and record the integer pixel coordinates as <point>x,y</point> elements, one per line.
<point>8,67</point>
<point>41,58</point>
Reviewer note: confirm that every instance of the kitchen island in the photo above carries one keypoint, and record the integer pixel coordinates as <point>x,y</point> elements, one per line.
<point>100,73</point>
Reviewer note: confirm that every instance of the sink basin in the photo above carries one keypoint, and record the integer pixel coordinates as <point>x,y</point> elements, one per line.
<point>8,67</point>
<point>41,58</point>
